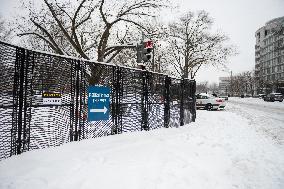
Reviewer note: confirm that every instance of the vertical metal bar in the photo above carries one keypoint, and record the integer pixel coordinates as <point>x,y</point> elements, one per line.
<point>147,103</point>
<point>72,100</point>
<point>26,66</point>
<point>193,91</point>
<point>21,101</point>
<point>117,101</point>
<point>77,90</point>
<point>182,103</point>
<point>31,91</point>
<point>144,101</point>
<point>167,102</point>
<point>114,99</point>
<point>15,104</point>
<point>120,96</point>
<point>83,101</point>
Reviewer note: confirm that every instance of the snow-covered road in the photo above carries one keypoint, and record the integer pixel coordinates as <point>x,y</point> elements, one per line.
<point>266,117</point>
<point>223,149</point>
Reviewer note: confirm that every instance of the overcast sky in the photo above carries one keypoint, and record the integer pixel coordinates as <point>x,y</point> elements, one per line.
<point>239,19</point>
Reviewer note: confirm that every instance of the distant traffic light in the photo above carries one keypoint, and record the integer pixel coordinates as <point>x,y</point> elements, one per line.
<point>148,47</point>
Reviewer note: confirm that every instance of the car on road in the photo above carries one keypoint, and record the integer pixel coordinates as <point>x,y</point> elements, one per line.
<point>224,96</point>
<point>273,97</point>
<point>261,96</point>
<point>209,102</point>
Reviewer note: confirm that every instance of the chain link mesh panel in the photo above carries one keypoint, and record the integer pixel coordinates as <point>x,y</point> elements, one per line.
<point>7,72</point>
<point>139,100</point>
<point>51,125</point>
<point>104,76</point>
<point>156,96</point>
<point>131,100</point>
<point>175,102</point>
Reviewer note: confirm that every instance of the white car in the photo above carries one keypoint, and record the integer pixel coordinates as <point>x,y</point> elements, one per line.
<point>209,102</point>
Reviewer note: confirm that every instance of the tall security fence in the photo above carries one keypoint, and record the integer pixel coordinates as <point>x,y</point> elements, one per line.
<point>138,100</point>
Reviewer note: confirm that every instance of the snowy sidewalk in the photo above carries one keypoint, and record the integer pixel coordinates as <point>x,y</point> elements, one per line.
<point>221,150</point>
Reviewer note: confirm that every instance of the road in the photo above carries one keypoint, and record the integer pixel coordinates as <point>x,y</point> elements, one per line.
<point>267,117</point>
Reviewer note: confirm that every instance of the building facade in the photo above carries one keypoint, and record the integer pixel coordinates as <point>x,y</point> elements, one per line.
<point>269,57</point>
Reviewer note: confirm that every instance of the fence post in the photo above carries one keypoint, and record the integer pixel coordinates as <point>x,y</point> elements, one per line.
<point>116,93</point>
<point>182,102</point>
<point>77,108</point>
<point>192,93</point>
<point>21,98</point>
<point>167,102</point>
<point>144,101</point>
<point>73,102</point>
<point>113,99</point>
<point>83,89</point>
<point>20,137</point>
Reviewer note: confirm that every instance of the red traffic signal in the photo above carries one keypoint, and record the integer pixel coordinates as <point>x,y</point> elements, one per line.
<point>148,44</point>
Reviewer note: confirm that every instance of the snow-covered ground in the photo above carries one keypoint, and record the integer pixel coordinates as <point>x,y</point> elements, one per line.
<point>222,150</point>
<point>266,117</point>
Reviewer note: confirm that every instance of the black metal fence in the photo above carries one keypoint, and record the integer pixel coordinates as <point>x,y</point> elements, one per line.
<point>139,100</point>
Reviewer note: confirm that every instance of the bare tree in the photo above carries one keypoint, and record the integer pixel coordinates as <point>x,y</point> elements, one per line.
<point>131,12</point>
<point>193,44</point>
<point>202,87</point>
<point>88,28</point>
<point>86,25</point>
<point>243,83</point>
<point>214,88</point>
<point>5,33</point>
<point>64,27</point>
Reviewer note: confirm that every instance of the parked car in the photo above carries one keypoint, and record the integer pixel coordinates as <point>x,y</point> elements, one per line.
<point>261,96</point>
<point>273,97</point>
<point>209,102</point>
<point>224,96</point>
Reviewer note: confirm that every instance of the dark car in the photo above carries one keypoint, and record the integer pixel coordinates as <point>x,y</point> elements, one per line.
<point>273,97</point>
<point>261,96</point>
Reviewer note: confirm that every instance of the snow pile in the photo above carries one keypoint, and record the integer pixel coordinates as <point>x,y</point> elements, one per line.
<point>220,150</point>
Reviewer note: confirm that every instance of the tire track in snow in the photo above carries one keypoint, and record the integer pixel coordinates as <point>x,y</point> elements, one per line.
<point>269,120</point>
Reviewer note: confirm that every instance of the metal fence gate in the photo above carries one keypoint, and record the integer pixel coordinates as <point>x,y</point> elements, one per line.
<point>139,100</point>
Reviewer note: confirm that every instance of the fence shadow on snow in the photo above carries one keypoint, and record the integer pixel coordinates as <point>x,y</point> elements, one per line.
<point>139,100</point>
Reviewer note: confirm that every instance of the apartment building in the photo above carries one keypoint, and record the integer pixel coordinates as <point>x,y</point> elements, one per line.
<point>269,56</point>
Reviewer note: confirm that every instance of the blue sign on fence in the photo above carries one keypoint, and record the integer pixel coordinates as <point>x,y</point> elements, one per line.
<point>98,103</point>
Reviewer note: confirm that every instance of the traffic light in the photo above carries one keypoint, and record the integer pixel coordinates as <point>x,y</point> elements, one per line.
<point>148,47</point>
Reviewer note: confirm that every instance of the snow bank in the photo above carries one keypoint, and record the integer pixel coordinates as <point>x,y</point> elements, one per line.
<point>220,150</point>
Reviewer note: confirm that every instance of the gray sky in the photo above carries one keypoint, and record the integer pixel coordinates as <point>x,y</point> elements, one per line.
<point>239,19</point>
